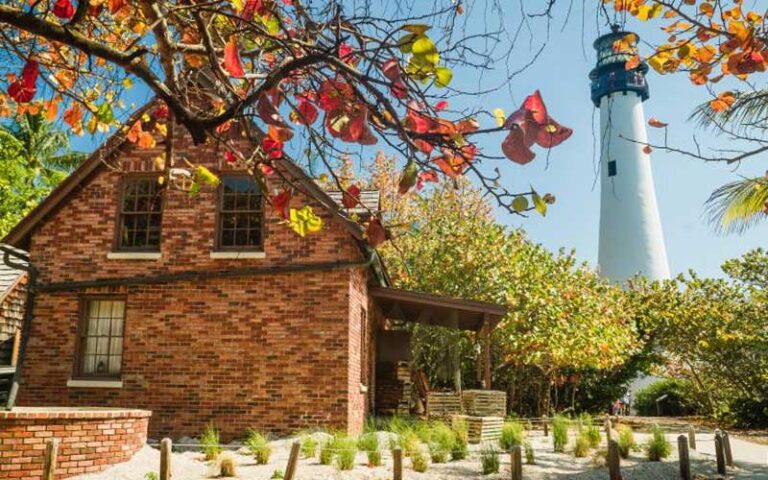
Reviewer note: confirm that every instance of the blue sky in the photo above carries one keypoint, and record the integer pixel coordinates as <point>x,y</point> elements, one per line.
<point>682,184</point>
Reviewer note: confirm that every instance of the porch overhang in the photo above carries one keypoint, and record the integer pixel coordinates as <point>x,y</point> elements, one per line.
<point>438,310</point>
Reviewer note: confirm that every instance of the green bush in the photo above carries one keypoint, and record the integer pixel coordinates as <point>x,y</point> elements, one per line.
<point>369,443</point>
<point>581,446</point>
<point>626,440</point>
<point>308,446</point>
<point>530,456</point>
<point>441,441</point>
<point>657,447</point>
<point>679,401</point>
<point>749,413</point>
<point>346,450</point>
<point>560,433</point>
<point>209,442</point>
<point>419,461</point>
<point>489,459</point>
<point>511,435</point>
<point>258,446</point>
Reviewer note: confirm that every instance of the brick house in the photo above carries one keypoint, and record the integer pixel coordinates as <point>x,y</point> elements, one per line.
<point>209,310</point>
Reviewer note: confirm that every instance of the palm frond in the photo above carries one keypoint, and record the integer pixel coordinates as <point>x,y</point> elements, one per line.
<point>737,206</point>
<point>749,110</point>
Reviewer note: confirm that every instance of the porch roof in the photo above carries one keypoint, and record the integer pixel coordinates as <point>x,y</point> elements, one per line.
<point>428,309</point>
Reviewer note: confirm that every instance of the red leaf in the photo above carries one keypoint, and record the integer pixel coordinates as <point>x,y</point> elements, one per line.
<point>428,176</point>
<point>655,123</point>
<point>351,196</point>
<point>266,169</point>
<point>451,165</point>
<point>346,54</point>
<point>647,150</point>
<point>332,95</point>
<point>281,204</point>
<point>232,59</point>
<point>272,147</point>
<point>376,233</point>
<point>64,9</point>
<point>116,5</point>
<point>23,89</point>
<point>515,147</point>
<point>553,134</point>
<point>161,112</point>
<point>441,105</point>
<point>230,157</point>
<point>534,104</point>
<point>307,113</point>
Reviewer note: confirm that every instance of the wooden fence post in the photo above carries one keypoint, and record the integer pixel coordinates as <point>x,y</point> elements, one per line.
<point>516,457</point>
<point>614,467</point>
<point>166,448</point>
<point>49,461</point>
<point>608,430</point>
<point>293,461</point>
<point>398,464</point>
<point>692,437</point>
<point>720,452</point>
<point>546,425</point>
<point>728,452</point>
<point>685,459</point>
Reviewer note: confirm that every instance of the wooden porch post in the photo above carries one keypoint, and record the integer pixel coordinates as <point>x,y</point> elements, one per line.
<point>486,339</point>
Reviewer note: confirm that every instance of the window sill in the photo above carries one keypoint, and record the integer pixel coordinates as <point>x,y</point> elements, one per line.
<point>363,388</point>
<point>94,383</point>
<point>225,255</point>
<point>134,255</point>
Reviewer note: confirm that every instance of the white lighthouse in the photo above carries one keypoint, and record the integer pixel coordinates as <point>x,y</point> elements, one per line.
<point>631,239</point>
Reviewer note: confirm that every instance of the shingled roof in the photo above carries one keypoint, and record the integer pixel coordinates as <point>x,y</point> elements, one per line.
<point>10,275</point>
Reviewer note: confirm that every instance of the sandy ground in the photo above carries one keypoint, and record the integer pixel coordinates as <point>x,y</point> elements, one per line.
<point>751,461</point>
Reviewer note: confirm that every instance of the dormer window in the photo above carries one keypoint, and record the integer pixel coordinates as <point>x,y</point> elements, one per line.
<point>140,215</point>
<point>240,222</point>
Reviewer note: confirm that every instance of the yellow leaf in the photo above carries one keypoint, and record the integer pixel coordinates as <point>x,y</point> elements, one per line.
<point>127,83</point>
<point>706,9</point>
<point>498,113</point>
<point>162,129</point>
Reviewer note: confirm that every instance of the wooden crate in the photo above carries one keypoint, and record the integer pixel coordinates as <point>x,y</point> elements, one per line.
<point>485,403</point>
<point>481,429</point>
<point>443,404</point>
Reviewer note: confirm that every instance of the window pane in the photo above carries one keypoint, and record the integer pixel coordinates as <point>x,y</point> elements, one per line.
<point>141,215</point>
<point>89,365</point>
<point>114,364</point>
<point>102,345</point>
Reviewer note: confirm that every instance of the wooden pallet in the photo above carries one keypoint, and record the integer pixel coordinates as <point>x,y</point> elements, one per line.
<point>443,404</point>
<point>485,403</point>
<point>481,429</point>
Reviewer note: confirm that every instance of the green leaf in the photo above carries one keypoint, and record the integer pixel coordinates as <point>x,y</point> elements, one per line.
<point>104,113</point>
<point>520,203</point>
<point>539,204</point>
<point>405,43</point>
<point>416,28</point>
<point>443,75</point>
<point>423,45</point>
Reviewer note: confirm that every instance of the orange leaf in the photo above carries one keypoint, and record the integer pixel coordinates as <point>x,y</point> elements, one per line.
<point>722,102</point>
<point>73,117</point>
<point>656,123</point>
<point>146,140</point>
<point>232,59</point>
<point>632,63</point>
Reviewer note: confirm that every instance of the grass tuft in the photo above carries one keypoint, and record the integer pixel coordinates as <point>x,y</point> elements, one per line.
<point>227,464</point>
<point>209,442</point>
<point>511,435</point>
<point>346,450</point>
<point>489,459</point>
<point>308,446</point>
<point>369,443</point>
<point>560,433</point>
<point>530,456</point>
<point>581,446</point>
<point>258,446</point>
<point>657,447</point>
<point>626,440</point>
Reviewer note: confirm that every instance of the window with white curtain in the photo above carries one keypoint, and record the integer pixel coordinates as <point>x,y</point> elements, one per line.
<point>100,351</point>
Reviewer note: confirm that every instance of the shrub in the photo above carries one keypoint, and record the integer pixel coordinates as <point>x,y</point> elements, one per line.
<point>258,446</point>
<point>749,413</point>
<point>277,475</point>
<point>369,443</point>
<point>419,461</point>
<point>308,446</point>
<point>227,465</point>
<point>559,433</point>
<point>581,446</point>
<point>591,431</point>
<point>626,440</point>
<point>408,442</point>
<point>151,476</point>
<point>678,402</point>
<point>209,442</point>
<point>489,459</point>
<point>511,435</point>
<point>530,457</point>
<point>657,446</point>
<point>346,450</point>
<point>441,441</point>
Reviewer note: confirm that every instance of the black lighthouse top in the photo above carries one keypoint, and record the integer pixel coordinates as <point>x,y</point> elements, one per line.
<point>610,74</point>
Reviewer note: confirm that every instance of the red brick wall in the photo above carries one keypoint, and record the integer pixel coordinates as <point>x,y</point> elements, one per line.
<point>90,441</point>
<point>269,352</point>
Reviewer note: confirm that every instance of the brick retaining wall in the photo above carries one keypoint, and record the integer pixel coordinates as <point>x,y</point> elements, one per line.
<point>90,439</point>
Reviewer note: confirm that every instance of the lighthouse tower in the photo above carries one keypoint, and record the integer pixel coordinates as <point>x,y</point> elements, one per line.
<point>631,240</point>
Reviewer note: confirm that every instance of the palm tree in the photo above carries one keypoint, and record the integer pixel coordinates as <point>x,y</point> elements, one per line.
<point>41,148</point>
<point>739,205</point>
<point>34,158</point>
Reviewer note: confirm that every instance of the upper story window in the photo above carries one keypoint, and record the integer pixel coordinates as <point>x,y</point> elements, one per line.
<point>612,168</point>
<point>100,339</point>
<point>140,214</point>
<point>241,214</point>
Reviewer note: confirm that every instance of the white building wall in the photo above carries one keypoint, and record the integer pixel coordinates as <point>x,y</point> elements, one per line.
<point>631,238</point>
